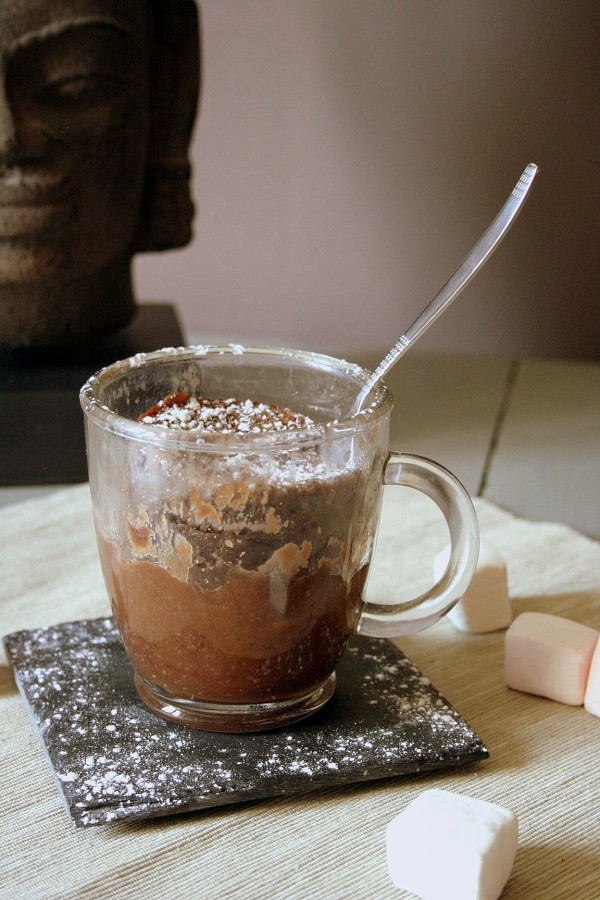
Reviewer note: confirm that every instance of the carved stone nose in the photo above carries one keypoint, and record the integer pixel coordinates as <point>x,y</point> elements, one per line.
<point>23,139</point>
<point>8,131</point>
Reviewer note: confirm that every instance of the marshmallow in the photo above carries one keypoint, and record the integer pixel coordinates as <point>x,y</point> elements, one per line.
<point>549,656</point>
<point>485,605</point>
<point>446,846</point>
<point>591,701</point>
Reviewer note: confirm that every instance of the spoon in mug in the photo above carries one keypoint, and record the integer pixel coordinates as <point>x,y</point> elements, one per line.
<point>480,253</point>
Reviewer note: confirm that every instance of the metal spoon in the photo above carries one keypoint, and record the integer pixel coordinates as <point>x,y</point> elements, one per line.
<point>480,253</point>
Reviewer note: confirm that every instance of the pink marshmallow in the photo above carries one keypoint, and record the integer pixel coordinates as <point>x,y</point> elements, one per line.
<point>485,605</point>
<point>549,656</point>
<point>591,700</point>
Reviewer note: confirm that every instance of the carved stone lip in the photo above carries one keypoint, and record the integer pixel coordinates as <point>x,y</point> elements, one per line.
<point>28,218</point>
<point>10,196</point>
<point>19,187</point>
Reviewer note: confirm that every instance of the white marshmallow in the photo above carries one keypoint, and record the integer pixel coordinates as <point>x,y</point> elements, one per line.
<point>485,605</point>
<point>591,701</point>
<point>549,656</point>
<point>446,846</point>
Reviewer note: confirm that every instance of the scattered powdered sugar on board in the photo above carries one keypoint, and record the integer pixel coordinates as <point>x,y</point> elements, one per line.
<point>114,760</point>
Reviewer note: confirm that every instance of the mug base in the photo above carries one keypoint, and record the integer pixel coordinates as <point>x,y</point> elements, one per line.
<point>234,718</point>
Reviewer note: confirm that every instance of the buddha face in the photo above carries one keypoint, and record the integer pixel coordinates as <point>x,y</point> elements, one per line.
<point>74,135</point>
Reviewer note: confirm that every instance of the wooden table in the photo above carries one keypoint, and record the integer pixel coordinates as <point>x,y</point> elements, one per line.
<point>523,434</point>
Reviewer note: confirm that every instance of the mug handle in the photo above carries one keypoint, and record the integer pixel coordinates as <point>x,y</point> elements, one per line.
<point>395,619</point>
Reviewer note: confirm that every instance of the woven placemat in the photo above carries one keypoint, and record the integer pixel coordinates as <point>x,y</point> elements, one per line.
<point>113,759</point>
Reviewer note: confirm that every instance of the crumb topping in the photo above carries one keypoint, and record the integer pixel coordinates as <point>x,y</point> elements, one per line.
<point>182,411</point>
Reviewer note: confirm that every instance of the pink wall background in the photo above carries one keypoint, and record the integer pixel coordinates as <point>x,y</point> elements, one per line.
<point>348,153</point>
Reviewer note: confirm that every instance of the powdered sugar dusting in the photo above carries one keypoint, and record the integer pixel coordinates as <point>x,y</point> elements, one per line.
<point>230,416</point>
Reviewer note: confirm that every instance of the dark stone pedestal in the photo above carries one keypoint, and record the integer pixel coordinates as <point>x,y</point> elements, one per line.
<point>41,423</point>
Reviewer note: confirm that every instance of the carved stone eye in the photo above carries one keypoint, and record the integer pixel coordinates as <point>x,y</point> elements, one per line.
<point>82,65</point>
<point>85,88</point>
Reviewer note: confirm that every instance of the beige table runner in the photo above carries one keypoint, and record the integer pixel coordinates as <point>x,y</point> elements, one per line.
<point>543,764</point>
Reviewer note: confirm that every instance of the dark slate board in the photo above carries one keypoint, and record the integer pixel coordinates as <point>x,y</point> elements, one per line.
<point>113,759</point>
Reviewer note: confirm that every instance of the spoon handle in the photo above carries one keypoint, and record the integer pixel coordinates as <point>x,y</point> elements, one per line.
<point>484,247</point>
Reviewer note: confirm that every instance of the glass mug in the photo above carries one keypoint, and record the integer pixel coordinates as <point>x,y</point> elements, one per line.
<point>236,563</point>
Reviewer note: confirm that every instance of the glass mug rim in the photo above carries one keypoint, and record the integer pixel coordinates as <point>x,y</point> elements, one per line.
<point>90,398</point>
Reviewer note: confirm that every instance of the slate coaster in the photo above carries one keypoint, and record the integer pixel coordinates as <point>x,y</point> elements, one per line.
<point>113,759</point>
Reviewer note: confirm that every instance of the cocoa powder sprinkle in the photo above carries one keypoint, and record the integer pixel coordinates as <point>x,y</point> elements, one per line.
<point>182,411</point>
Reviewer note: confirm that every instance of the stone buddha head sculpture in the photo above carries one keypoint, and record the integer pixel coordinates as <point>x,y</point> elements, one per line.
<point>97,104</point>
